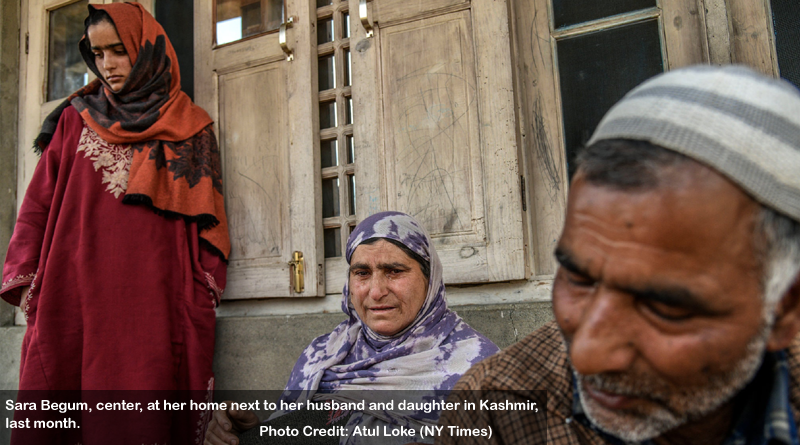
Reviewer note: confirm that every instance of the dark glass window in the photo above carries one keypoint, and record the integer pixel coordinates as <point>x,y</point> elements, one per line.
<point>330,197</point>
<point>571,12</point>
<point>329,151</point>
<point>597,69</point>
<point>177,19</point>
<point>66,71</point>
<point>786,20</point>
<point>333,242</point>
<point>324,31</point>
<point>327,72</point>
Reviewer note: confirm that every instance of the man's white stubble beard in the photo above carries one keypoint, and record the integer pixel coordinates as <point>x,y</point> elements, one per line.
<point>670,408</point>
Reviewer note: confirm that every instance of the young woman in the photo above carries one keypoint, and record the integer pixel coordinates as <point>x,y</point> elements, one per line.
<point>118,257</point>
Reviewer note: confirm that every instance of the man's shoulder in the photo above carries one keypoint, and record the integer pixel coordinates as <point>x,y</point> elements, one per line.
<point>539,361</point>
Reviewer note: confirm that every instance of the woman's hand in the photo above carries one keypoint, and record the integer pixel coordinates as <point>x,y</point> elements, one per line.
<point>23,294</point>
<point>226,424</point>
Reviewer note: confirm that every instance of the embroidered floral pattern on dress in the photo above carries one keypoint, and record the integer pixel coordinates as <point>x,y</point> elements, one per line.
<point>216,291</point>
<point>19,279</point>
<point>113,159</point>
<point>205,416</point>
<point>27,306</point>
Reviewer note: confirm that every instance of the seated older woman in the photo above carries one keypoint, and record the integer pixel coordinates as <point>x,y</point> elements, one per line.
<point>399,334</point>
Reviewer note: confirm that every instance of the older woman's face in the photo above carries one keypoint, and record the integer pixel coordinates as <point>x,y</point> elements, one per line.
<point>387,287</point>
<point>110,56</point>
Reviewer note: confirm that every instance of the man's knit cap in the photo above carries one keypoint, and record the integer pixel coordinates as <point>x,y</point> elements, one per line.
<point>741,123</point>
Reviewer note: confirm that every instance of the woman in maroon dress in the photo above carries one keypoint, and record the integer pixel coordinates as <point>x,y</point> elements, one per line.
<point>118,257</point>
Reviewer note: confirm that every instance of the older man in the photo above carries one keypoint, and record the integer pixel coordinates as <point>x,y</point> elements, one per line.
<point>677,298</point>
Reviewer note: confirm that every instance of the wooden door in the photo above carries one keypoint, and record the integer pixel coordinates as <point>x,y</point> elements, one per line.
<point>437,129</point>
<point>262,105</point>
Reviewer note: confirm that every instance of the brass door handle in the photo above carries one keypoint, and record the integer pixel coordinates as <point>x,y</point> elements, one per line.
<point>363,14</point>
<point>297,271</point>
<point>282,38</point>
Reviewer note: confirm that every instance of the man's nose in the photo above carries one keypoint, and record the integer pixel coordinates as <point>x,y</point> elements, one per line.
<point>606,338</point>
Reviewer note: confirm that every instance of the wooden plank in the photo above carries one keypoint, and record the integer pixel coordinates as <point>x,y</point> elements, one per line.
<point>540,127</point>
<point>252,52</point>
<point>684,32</point>
<point>751,41</point>
<point>367,118</point>
<point>505,249</point>
<point>386,12</point>
<point>305,206</point>
<point>719,36</point>
<point>335,275</point>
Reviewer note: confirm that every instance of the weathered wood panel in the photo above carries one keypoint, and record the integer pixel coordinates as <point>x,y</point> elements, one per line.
<point>751,42</point>
<point>449,136</point>
<point>256,173</point>
<point>431,123</point>
<point>389,11</point>
<point>684,32</point>
<point>256,168</point>
<point>540,129</point>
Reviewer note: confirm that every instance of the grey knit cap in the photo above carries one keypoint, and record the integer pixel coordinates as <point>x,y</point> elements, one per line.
<point>739,122</point>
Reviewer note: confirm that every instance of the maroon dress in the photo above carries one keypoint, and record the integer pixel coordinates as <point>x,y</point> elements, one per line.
<point>121,298</point>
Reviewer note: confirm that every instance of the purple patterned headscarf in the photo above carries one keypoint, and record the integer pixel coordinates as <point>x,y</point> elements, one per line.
<point>429,354</point>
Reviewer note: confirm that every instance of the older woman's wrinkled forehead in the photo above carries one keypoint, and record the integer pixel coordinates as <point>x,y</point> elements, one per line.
<point>393,225</point>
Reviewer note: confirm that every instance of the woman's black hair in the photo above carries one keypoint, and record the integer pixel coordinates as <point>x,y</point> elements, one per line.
<point>424,265</point>
<point>96,16</point>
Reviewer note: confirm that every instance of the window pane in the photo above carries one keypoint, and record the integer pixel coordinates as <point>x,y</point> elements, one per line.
<point>327,115</point>
<point>66,70</point>
<point>324,31</point>
<point>333,242</point>
<point>330,153</point>
<point>348,79</point>
<point>237,19</point>
<point>597,69</point>
<point>321,3</point>
<point>351,179</point>
<point>348,110</point>
<point>351,153</point>
<point>346,26</point>
<point>330,197</point>
<point>786,21</point>
<point>570,12</point>
<point>327,72</point>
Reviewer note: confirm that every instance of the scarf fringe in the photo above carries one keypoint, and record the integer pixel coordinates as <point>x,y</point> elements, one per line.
<point>203,221</point>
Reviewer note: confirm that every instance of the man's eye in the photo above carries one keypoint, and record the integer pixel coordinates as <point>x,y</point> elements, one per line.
<point>579,280</point>
<point>98,55</point>
<point>667,312</point>
<point>120,52</point>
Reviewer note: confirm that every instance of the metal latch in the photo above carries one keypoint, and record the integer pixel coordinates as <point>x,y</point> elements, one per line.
<point>297,271</point>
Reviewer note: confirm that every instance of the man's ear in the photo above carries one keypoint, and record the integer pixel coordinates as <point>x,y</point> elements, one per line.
<point>787,318</point>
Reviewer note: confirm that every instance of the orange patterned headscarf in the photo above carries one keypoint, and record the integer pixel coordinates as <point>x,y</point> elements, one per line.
<point>176,166</point>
